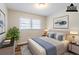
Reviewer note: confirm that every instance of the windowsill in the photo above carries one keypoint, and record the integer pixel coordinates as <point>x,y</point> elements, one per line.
<point>29,29</point>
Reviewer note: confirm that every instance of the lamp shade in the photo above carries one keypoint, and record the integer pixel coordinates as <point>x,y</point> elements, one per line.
<point>46,30</point>
<point>73,32</point>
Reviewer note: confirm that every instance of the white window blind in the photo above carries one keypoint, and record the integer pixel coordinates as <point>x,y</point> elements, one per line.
<point>25,23</point>
<point>36,24</point>
<point>30,23</point>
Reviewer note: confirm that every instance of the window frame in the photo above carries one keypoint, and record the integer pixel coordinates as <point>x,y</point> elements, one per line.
<point>31,24</point>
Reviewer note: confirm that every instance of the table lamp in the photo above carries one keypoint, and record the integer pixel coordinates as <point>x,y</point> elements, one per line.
<point>73,34</point>
<point>45,32</point>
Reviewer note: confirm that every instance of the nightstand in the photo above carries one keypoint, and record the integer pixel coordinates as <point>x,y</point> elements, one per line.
<point>7,48</point>
<point>74,48</point>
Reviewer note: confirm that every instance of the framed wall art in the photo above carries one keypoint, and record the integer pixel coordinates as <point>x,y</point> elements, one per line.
<point>2,22</point>
<point>61,22</point>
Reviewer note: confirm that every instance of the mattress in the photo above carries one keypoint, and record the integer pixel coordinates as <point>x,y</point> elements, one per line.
<point>36,49</point>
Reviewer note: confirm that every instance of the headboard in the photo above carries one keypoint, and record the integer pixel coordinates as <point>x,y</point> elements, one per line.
<point>59,31</point>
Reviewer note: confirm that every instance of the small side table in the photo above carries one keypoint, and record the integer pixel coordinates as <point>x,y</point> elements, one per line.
<point>74,48</point>
<point>7,48</point>
<point>4,44</point>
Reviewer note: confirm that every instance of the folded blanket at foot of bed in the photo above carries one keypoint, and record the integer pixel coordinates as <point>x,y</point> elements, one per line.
<point>50,49</point>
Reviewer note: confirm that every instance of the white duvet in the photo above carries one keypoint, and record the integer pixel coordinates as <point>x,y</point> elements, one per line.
<point>36,49</point>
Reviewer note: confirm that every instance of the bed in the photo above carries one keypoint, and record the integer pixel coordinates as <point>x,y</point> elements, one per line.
<point>37,49</point>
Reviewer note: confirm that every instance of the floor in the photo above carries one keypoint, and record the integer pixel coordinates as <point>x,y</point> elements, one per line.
<point>23,50</point>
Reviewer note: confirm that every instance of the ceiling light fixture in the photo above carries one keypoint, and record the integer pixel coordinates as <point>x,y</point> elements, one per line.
<point>41,5</point>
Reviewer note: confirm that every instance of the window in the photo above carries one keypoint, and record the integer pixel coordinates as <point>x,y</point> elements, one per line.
<point>30,23</point>
<point>25,23</point>
<point>36,24</point>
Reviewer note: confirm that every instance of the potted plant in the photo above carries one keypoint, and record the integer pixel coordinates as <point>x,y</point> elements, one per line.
<point>13,34</point>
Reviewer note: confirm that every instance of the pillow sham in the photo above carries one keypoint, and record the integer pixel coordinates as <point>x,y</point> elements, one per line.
<point>57,35</point>
<point>60,37</point>
<point>52,35</point>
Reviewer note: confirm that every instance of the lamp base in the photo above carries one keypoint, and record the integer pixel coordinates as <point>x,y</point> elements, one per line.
<point>73,39</point>
<point>73,42</point>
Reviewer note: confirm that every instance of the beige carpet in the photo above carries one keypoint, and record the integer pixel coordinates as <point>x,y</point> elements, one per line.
<point>25,50</point>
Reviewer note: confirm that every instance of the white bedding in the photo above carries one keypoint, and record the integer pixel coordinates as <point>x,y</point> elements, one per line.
<point>36,49</point>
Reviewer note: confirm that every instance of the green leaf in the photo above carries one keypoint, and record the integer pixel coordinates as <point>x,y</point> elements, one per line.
<point>13,33</point>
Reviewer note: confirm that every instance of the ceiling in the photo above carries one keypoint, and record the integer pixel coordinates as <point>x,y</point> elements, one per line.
<point>52,8</point>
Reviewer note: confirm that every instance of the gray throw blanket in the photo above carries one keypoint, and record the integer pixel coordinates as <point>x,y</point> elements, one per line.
<point>50,49</point>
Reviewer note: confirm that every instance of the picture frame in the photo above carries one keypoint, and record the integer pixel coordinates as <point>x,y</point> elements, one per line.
<point>61,22</point>
<point>2,22</point>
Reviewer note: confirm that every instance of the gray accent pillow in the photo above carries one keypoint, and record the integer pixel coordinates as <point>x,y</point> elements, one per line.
<point>53,36</point>
<point>60,37</point>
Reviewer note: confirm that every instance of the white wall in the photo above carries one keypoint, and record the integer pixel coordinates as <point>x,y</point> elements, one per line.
<point>13,20</point>
<point>4,9</point>
<point>73,20</point>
